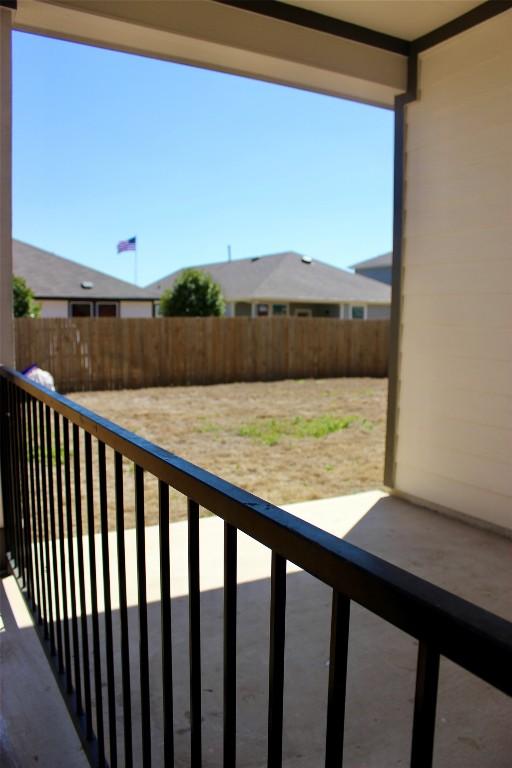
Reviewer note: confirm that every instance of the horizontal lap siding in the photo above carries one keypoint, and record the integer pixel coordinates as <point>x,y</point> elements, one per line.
<point>115,353</point>
<point>54,308</point>
<point>136,309</point>
<point>454,431</point>
<point>378,312</point>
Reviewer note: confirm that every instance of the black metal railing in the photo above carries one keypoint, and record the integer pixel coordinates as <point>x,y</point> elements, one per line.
<point>47,471</point>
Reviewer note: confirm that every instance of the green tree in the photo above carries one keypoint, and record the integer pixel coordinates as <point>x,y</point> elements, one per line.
<point>24,303</point>
<point>194,294</point>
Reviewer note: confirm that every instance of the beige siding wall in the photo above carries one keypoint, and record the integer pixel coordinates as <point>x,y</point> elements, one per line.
<point>54,308</point>
<point>454,434</point>
<point>378,311</point>
<point>136,309</point>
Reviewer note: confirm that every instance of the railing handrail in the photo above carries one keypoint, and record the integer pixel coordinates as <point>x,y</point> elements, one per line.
<point>469,635</point>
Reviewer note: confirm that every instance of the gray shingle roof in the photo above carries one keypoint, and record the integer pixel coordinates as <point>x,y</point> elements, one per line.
<point>289,277</point>
<point>384,260</point>
<point>54,277</point>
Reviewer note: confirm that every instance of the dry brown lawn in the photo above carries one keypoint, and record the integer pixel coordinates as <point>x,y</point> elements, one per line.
<point>257,435</point>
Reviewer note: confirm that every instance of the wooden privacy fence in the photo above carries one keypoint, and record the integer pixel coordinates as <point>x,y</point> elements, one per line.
<point>116,353</point>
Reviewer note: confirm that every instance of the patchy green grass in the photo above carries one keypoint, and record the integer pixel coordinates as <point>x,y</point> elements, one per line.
<point>208,427</point>
<point>284,441</point>
<point>39,453</point>
<point>270,431</point>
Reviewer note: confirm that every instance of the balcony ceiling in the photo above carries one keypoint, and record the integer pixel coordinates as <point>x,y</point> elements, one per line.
<point>407,19</point>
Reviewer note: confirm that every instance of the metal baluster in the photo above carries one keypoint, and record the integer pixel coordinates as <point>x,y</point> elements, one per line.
<point>276,667</point>
<point>143,617</point>
<point>26,496</point>
<point>340,619</point>
<point>230,599</point>
<point>94,600</point>
<point>33,506</point>
<point>123,612</point>
<point>71,561</point>
<point>194,634</point>
<point>49,597</point>
<point>81,579</point>
<point>15,485</point>
<point>427,676</point>
<point>62,551</point>
<point>165,601</point>
<point>108,606</point>
<point>43,609</point>
<point>13,538</point>
<point>51,498</point>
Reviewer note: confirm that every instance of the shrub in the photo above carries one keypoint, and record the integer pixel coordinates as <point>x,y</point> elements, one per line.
<point>194,294</point>
<point>24,303</point>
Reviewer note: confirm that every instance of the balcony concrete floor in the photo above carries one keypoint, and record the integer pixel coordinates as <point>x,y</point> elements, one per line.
<point>473,720</point>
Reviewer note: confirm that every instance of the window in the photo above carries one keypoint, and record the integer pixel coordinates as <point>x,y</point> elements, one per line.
<point>106,309</point>
<point>303,313</point>
<point>262,310</point>
<point>358,313</point>
<point>279,309</point>
<point>243,309</point>
<point>80,309</point>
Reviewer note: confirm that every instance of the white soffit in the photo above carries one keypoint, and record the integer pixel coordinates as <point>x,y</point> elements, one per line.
<point>407,19</point>
<point>216,36</point>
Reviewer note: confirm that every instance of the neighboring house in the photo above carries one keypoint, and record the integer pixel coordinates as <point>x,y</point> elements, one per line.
<point>65,288</point>
<point>291,284</point>
<point>378,268</point>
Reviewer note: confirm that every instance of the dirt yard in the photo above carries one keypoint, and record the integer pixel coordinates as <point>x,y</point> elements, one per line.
<point>285,441</point>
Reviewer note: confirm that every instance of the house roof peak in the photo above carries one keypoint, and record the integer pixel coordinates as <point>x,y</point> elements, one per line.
<point>54,277</point>
<point>286,276</point>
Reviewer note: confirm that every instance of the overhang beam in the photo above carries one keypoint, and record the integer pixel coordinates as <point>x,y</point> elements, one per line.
<point>216,36</point>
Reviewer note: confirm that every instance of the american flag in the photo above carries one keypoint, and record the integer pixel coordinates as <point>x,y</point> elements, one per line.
<point>127,245</point>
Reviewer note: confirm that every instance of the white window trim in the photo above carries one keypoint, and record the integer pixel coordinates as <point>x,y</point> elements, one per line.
<point>359,304</point>
<point>78,301</point>
<point>282,304</point>
<point>255,308</point>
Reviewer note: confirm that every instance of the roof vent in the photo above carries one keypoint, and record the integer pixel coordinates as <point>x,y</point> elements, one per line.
<point>87,284</point>
<point>307,259</point>
<point>255,258</point>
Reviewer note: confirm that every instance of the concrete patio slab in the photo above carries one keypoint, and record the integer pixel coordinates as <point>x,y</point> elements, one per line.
<point>35,728</point>
<point>473,720</point>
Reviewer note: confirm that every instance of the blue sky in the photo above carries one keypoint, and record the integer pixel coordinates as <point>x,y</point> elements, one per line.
<point>108,146</point>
